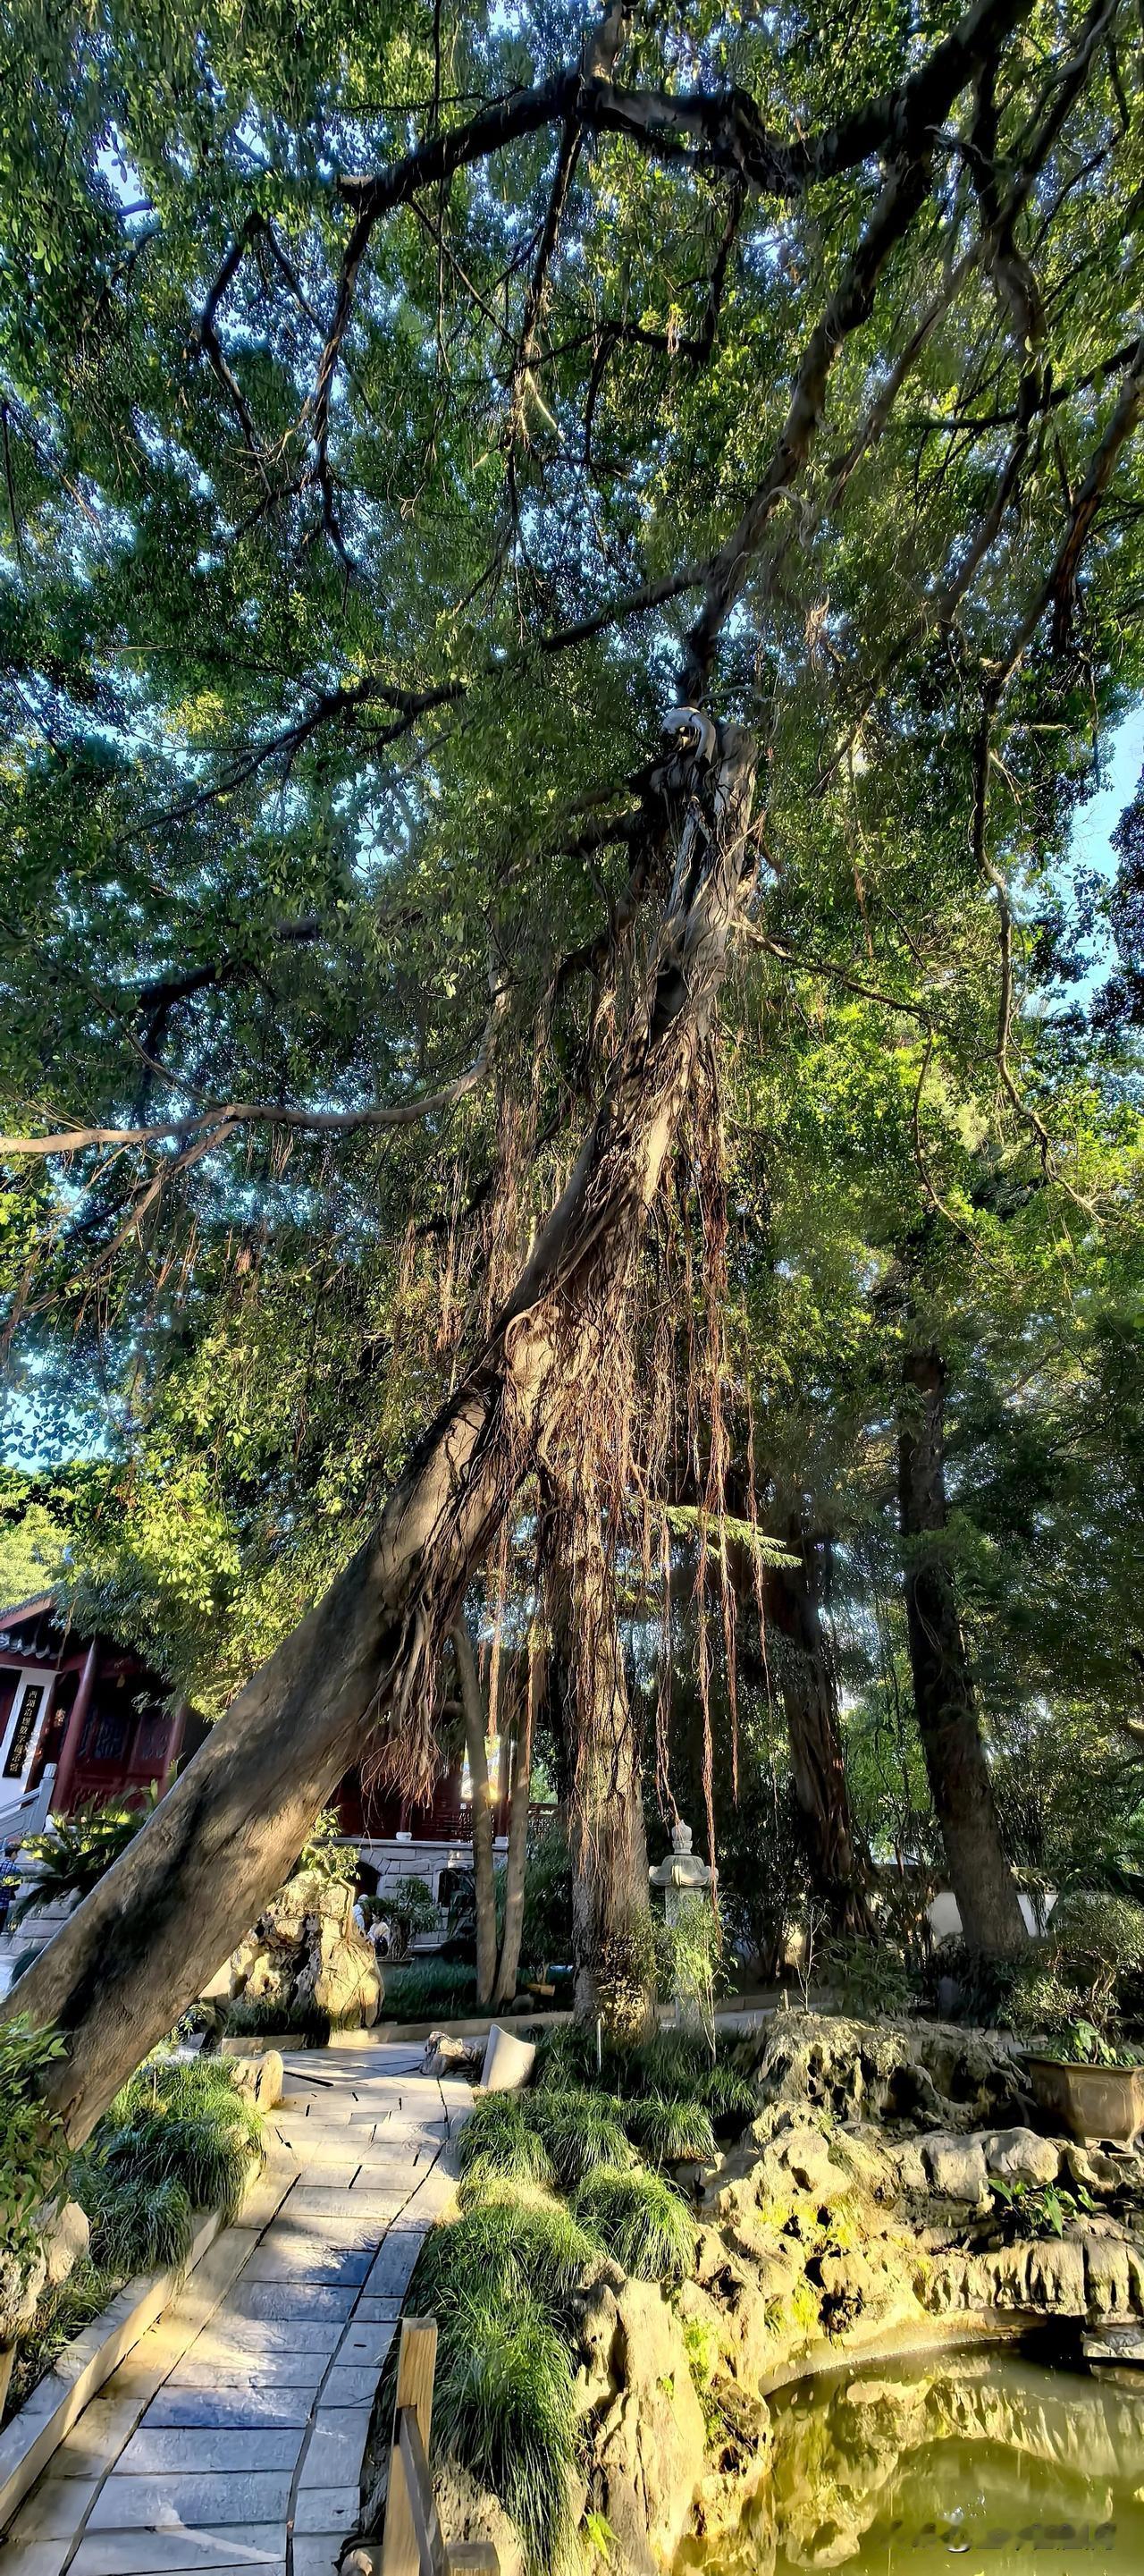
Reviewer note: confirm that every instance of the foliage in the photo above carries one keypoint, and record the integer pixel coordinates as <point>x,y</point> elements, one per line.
<point>140,2224</point>
<point>410,1903</point>
<point>499,2141</point>
<point>71,1857</point>
<point>1026,2209</point>
<point>693,1961</point>
<point>580,2130</point>
<point>870,1977</point>
<point>32,2150</point>
<point>512,2236</point>
<point>640,2218</point>
<point>671,2129</point>
<point>65,2308</point>
<point>1080,2043</point>
<point>1095,1943</point>
<point>503,2389</point>
<point>428,1988</point>
<point>504,2403</point>
<point>181,2122</point>
<point>325,1854</point>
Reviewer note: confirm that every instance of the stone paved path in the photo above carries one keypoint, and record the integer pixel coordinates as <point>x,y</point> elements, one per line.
<point>231,2439</point>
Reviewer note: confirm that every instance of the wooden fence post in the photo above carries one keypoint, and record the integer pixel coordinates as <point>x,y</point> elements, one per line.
<point>416,2362</point>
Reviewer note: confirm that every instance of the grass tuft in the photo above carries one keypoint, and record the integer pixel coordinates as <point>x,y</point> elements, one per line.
<point>511,2237</point>
<point>580,2131</point>
<point>504,2404</point>
<point>185,2123</point>
<point>672,2130</point>
<point>498,2143</point>
<point>137,2226</point>
<point>641,2220</point>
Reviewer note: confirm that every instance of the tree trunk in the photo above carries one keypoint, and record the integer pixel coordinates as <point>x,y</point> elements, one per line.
<point>516,1862</point>
<point>980,1876</point>
<point>125,1965</point>
<point>611,1908</point>
<point>807,1678</point>
<point>808,1682</point>
<point>484,1872</point>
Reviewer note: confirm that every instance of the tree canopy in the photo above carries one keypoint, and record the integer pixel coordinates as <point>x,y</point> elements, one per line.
<point>403,413</point>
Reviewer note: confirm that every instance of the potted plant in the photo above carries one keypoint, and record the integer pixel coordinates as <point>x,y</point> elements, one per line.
<point>1084,2073</point>
<point>1091,2081</point>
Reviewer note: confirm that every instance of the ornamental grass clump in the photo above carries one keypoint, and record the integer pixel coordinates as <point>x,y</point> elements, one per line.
<point>641,2220</point>
<point>510,2237</point>
<point>504,2404</point>
<point>497,2141</point>
<point>671,2129</point>
<point>580,2130</point>
<point>185,2123</point>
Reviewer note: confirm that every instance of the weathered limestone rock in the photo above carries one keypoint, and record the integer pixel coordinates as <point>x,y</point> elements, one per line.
<point>67,2236</point>
<point>260,2078</point>
<point>469,2513</point>
<point>648,2433</point>
<point>1019,2155</point>
<point>445,2055</point>
<point>306,1953</point>
<point>956,2169</point>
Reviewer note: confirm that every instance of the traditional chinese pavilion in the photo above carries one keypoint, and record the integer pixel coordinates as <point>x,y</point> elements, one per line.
<point>80,1718</point>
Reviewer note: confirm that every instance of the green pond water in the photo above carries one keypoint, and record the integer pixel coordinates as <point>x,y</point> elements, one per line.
<point>990,2462</point>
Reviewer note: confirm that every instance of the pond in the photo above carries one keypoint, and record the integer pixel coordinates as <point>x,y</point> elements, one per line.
<point>993,2462</point>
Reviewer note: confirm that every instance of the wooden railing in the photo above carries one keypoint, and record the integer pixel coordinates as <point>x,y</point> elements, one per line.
<point>413,2543</point>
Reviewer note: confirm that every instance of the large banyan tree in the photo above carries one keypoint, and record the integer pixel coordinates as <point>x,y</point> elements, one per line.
<point>525,539</point>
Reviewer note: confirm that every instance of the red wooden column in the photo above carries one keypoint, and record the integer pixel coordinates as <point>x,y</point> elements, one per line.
<point>65,1767</point>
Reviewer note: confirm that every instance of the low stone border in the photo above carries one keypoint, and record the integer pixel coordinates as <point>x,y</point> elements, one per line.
<point>47,2415</point>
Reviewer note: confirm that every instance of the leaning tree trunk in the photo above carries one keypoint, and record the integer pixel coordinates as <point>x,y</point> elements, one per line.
<point>612,1945</point>
<point>484,1869</point>
<point>806,1674</point>
<point>125,1965</point>
<point>980,1875</point>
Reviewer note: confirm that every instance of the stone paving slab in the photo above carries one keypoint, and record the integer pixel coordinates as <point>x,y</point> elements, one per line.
<point>239,2404</point>
<point>242,2417</point>
<point>206,2448</point>
<point>153,2553</point>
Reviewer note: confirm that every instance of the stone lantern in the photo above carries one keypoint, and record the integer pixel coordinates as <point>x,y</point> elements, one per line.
<point>684,1873</point>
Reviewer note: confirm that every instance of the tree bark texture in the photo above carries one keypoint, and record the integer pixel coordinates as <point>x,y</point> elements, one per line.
<point>611,1904</point>
<point>146,1940</point>
<point>980,1875</point>
<point>516,1858</point>
<point>804,1670</point>
<point>484,1870</point>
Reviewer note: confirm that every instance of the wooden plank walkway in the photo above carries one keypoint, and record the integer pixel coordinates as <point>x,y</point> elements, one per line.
<point>231,2439</point>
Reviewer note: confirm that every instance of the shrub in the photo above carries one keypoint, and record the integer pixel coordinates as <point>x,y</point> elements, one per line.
<point>32,2148</point>
<point>63,2313</point>
<point>135,2226</point>
<point>641,2220</point>
<point>325,1854</point>
<point>729,2094</point>
<point>71,1857</point>
<point>870,1977</point>
<point>504,2405</point>
<point>672,2129</point>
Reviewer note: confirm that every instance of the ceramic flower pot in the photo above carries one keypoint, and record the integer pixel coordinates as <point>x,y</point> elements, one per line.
<point>1090,2101</point>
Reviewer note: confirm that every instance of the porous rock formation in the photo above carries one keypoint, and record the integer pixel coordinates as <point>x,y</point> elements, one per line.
<point>854,2216</point>
<point>306,1955</point>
